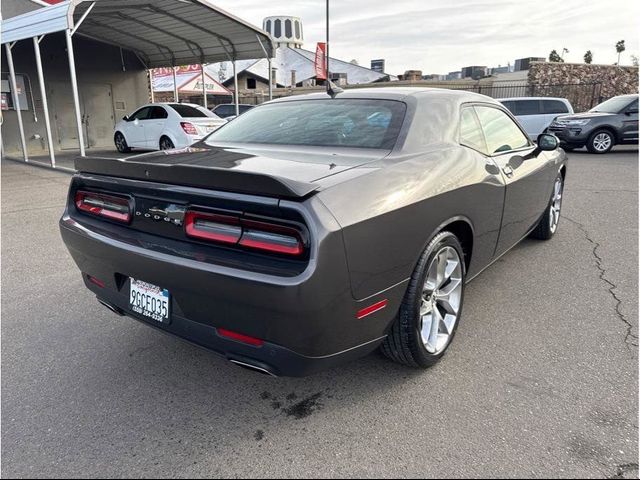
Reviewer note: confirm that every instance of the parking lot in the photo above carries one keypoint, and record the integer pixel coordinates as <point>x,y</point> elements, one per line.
<point>541,381</point>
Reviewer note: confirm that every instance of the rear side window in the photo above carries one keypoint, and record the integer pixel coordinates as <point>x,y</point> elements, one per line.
<point>526,107</point>
<point>510,105</point>
<point>554,106</point>
<point>223,110</point>
<point>158,113</point>
<point>500,132</point>
<point>470,131</point>
<point>187,111</point>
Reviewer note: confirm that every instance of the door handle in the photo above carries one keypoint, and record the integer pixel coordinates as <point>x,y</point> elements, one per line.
<point>508,171</point>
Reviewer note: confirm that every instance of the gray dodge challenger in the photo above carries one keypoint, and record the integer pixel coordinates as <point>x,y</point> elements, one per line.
<point>314,229</point>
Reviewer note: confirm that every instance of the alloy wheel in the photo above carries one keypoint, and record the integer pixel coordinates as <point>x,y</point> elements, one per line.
<point>556,204</point>
<point>166,144</point>
<point>602,142</point>
<point>441,300</point>
<point>121,145</point>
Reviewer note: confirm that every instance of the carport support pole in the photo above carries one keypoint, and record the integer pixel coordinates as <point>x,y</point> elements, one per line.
<point>270,80</point>
<point>175,86</point>
<point>45,104</point>
<point>74,89</point>
<point>16,99</point>
<point>235,88</point>
<point>204,87</point>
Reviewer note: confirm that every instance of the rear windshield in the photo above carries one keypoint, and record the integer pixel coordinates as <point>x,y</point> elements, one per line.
<point>187,111</point>
<point>331,122</point>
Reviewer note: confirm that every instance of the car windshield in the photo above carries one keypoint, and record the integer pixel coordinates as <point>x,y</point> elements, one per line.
<point>331,122</point>
<point>613,105</point>
<point>187,111</point>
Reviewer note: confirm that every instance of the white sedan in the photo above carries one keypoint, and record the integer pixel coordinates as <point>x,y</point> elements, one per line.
<point>162,126</point>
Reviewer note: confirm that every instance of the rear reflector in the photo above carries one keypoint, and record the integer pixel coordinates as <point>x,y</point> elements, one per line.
<point>95,281</point>
<point>256,342</point>
<point>371,309</point>
<point>189,128</point>
<point>107,206</point>
<point>257,235</point>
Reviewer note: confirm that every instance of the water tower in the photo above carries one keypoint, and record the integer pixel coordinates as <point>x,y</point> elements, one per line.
<point>284,30</point>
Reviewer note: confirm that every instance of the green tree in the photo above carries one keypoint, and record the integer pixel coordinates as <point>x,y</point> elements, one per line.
<point>634,60</point>
<point>588,57</point>
<point>555,57</point>
<point>620,48</point>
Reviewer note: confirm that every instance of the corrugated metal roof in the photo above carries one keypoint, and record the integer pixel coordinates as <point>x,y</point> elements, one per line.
<point>298,59</point>
<point>162,32</point>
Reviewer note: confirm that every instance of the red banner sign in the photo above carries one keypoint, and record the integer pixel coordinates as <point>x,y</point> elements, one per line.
<point>321,62</point>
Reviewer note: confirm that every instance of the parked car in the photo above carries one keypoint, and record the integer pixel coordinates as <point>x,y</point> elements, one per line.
<point>162,126</point>
<point>535,114</point>
<point>228,110</point>
<point>613,122</point>
<point>312,230</point>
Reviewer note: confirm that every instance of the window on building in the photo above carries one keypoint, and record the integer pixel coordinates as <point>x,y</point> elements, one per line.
<point>297,26</point>
<point>278,28</point>
<point>268,26</point>
<point>251,83</point>
<point>287,28</point>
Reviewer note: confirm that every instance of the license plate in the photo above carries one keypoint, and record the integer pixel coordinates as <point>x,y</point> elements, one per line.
<point>149,300</point>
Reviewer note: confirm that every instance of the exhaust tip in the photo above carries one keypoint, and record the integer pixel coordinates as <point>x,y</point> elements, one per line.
<point>254,368</point>
<point>114,309</point>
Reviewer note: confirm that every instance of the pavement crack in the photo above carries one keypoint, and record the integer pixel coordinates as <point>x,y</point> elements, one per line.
<point>630,339</point>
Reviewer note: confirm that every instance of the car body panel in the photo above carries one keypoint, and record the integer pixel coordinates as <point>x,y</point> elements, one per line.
<point>623,125</point>
<point>369,215</point>
<point>146,133</point>
<point>537,119</point>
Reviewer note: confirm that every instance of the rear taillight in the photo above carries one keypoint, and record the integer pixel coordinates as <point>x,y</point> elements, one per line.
<point>253,234</point>
<point>107,206</point>
<point>188,128</point>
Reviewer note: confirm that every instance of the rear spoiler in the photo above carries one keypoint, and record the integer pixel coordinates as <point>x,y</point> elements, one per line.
<point>197,176</point>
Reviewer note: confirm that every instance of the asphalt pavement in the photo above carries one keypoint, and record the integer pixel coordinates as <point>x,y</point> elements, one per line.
<point>541,380</point>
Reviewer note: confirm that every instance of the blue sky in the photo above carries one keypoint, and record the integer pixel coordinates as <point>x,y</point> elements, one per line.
<point>438,37</point>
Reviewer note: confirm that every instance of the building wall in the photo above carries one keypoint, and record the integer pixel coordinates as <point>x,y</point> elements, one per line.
<point>612,79</point>
<point>98,66</point>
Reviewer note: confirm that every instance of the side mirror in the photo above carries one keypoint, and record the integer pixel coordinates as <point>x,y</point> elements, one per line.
<point>547,142</point>
<point>126,118</point>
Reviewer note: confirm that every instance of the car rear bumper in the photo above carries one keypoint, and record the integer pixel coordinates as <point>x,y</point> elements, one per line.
<point>307,322</point>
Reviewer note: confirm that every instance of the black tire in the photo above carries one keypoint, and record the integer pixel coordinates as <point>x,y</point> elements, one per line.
<point>121,143</point>
<point>166,143</point>
<point>595,145</point>
<point>404,343</point>
<point>544,230</point>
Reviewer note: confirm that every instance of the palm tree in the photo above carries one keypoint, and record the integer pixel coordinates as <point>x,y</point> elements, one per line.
<point>620,48</point>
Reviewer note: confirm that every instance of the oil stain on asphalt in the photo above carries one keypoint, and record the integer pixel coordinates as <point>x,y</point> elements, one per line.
<point>297,410</point>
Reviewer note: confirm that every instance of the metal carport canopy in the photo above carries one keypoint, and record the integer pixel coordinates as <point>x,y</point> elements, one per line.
<point>163,33</point>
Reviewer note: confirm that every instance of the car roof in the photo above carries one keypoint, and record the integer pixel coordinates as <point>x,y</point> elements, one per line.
<point>515,99</point>
<point>396,93</point>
